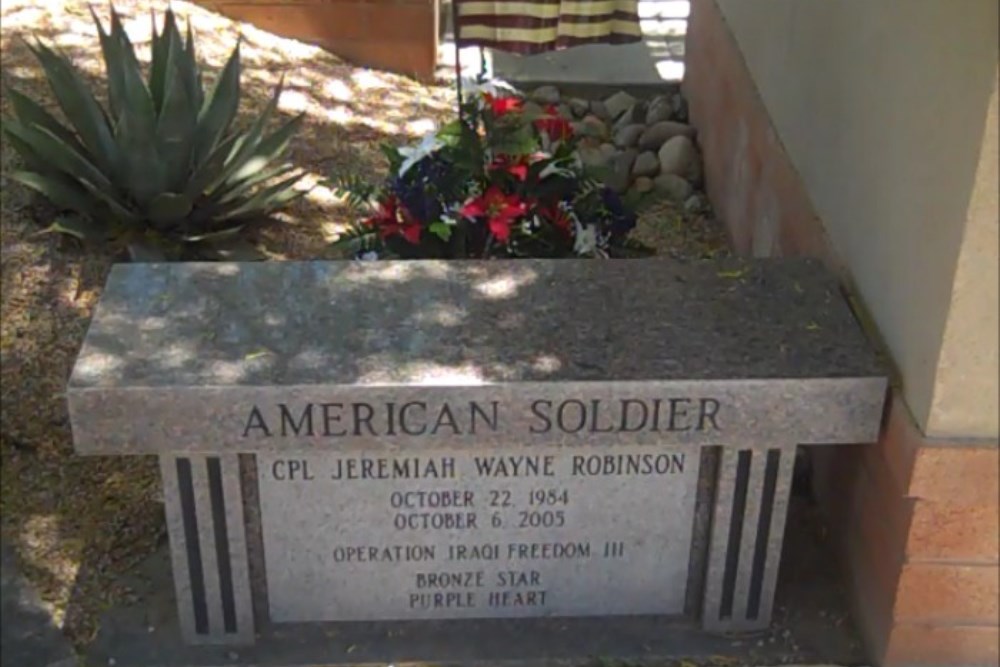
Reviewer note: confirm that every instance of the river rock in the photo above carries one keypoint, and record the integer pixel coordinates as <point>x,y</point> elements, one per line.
<point>628,136</point>
<point>678,156</point>
<point>659,110</point>
<point>679,106</point>
<point>634,115</point>
<point>673,187</point>
<point>618,103</point>
<point>642,185</point>
<point>595,127</point>
<point>609,150</point>
<point>598,109</point>
<point>696,203</point>
<point>646,164</point>
<point>656,135</point>
<point>545,95</point>
<point>579,107</point>
<point>621,170</point>
<point>532,109</point>
<point>593,157</point>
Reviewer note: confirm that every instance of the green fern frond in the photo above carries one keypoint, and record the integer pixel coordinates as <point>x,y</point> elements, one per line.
<point>355,239</point>
<point>354,189</point>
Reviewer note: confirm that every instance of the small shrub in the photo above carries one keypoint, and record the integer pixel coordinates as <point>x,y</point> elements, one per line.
<point>160,170</point>
<point>501,181</point>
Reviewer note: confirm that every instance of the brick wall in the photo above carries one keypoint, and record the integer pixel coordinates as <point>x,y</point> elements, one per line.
<point>396,35</point>
<point>916,519</point>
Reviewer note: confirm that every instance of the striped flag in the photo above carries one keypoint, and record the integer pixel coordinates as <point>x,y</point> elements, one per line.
<point>534,26</point>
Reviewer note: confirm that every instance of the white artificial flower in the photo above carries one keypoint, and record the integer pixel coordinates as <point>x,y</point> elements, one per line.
<point>557,167</point>
<point>414,154</point>
<point>586,239</point>
<point>495,87</point>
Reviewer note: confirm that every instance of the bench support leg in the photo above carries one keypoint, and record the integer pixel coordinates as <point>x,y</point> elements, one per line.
<point>204,508</point>
<point>748,527</point>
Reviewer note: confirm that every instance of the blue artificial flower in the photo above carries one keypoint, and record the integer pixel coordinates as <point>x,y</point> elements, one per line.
<point>418,189</point>
<point>621,220</point>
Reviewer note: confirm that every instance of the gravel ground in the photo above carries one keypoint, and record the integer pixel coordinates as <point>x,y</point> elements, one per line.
<point>77,523</point>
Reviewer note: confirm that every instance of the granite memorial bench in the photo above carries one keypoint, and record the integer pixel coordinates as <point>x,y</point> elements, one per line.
<point>347,441</point>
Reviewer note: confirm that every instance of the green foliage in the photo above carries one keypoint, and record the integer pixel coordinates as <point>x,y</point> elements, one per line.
<point>356,190</point>
<point>161,169</point>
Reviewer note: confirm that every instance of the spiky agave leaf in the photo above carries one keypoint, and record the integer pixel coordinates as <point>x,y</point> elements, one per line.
<point>163,164</point>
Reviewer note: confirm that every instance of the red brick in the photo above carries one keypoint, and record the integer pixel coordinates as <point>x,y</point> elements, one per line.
<point>948,594</point>
<point>961,475</point>
<point>749,177</point>
<point>957,473</point>
<point>915,645</point>
<point>946,531</point>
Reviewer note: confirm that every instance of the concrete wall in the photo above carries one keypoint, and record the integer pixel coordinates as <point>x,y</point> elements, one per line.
<point>888,112</point>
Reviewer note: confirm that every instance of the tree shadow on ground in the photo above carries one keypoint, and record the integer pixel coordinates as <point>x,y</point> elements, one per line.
<point>77,522</point>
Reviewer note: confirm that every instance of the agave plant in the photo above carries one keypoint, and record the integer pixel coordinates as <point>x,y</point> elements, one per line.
<point>161,169</point>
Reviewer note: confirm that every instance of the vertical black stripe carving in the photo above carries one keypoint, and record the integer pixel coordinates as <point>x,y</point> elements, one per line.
<point>763,533</point>
<point>735,533</point>
<point>222,544</point>
<point>195,569</point>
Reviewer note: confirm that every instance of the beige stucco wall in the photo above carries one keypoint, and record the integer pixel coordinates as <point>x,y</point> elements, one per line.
<point>884,107</point>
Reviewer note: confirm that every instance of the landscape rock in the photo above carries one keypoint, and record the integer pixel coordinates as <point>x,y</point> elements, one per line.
<point>621,170</point>
<point>585,141</point>
<point>545,95</point>
<point>656,135</point>
<point>595,127</point>
<point>646,164</point>
<point>609,150</point>
<point>598,109</point>
<point>532,109</point>
<point>628,136</point>
<point>618,103</point>
<point>696,203</point>
<point>634,115</point>
<point>642,185</point>
<point>673,187</point>
<point>659,110</point>
<point>579,107</point>
<point>679,107</point>
<point>678,156</point>
<point>593,157</point>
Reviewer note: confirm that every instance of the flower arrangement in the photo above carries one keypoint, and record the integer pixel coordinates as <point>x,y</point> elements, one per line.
<point>502,181</point>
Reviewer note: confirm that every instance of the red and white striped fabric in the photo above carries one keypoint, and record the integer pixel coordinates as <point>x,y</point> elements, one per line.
<point>535,26</point>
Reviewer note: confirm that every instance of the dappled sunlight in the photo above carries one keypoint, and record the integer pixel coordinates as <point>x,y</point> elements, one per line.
<point>78,523</point>
<point>368,273</point>
<point>439,314</point>
<point>422,373</point>
<point>349,110</point>
<point>53,558</point>
<point>506,286</point>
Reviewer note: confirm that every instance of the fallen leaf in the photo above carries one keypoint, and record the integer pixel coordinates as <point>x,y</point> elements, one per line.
<point>739,273</point>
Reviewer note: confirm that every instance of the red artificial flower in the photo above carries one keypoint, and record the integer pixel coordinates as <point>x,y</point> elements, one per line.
<point>501,106</point>
<point>393,218</point>
<point>555,126</point>
<point>518,168</point>
<point>498,208</point>
<point>558,217</point>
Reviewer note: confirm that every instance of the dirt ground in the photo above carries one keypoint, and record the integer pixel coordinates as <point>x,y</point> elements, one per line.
<point>78,523</point>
